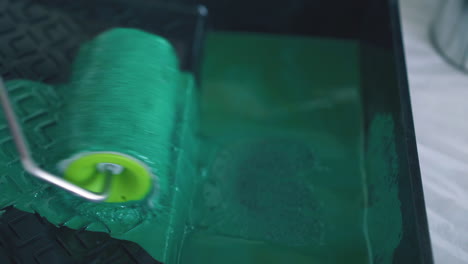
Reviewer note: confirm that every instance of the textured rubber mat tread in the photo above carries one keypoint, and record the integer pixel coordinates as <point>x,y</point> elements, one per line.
<point>38,39</point>
<point>28,238</point>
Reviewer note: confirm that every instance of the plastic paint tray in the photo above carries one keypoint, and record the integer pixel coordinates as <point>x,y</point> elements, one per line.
<point>294,95</point>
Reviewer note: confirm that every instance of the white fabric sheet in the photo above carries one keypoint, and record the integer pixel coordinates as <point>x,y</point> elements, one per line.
<point>439,95</point>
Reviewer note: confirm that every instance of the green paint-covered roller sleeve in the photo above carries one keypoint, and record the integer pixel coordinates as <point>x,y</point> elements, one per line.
<point>126,103</point>
<point>121,99</point>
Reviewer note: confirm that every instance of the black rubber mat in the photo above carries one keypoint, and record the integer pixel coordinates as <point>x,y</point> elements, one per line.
<point>38,41</point>
<point>28,238</point>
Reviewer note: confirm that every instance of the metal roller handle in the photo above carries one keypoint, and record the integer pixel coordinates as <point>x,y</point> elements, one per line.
<point>30,165</point>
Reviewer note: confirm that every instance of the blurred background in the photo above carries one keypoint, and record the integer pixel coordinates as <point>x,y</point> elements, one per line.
<point>439,92</point>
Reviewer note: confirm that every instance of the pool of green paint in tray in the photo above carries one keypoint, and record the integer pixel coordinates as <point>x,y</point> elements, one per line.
<point>281,157</point>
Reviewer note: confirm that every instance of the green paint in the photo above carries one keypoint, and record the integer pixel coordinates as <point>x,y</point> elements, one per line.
<point>281,134</point>
<point>382,168</point>
<point>276,172</point>
<point>281,154</point>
